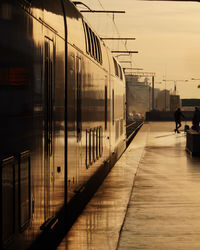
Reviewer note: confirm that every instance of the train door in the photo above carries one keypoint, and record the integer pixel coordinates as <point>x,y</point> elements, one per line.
<point>78,111</point>
<point>48,125</point>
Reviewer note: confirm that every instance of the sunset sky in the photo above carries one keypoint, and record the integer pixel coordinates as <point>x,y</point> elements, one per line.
<point>167,38</point>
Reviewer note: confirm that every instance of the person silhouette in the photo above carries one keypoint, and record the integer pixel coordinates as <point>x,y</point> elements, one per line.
<point>195,119</point>
<point>177,118</point>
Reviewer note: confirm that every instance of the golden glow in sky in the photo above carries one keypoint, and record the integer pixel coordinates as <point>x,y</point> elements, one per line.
<point>167,38</point>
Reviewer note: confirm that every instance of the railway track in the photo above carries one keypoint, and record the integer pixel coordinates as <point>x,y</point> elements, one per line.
<point>131,129</point>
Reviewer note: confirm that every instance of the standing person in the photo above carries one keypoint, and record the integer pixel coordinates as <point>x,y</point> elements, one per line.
<point>195,119</point>
<point>177,118</point>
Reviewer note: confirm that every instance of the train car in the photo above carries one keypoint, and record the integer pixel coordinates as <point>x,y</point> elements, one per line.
<point>62,111</point>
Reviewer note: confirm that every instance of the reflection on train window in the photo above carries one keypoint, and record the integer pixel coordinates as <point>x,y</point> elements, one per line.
<point>93,47</point>
<point>97,48</point>
<point>8,209</point>
<point>24,189</point>
<point>86,40</point>
<point>100,141</point>
<point>120,72</point>
<point>87,162</point>
<point>100,53</point>
<point>94,145</point>
<point>90,146</point>
<point>97,143</point>
<point>116,67</point>
<point>91,42</point>
<point>89,50</point>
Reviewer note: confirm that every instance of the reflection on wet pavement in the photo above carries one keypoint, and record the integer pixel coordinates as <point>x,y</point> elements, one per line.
<point>163,212</point>
<point>150,200</point>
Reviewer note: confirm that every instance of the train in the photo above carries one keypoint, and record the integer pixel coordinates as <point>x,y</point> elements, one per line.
<point>63,115</point>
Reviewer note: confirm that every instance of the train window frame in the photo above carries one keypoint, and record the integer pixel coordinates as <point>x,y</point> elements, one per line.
<point>100,141</point>
<point>97,143</point>
<point>100,52</point>
<point>94,144</point>
<point>87,162</point>
<point>90,147</point>
<point>86,37</point>
<point>120,72</point>
<point>95,48</point>
<point>92,42</point>
<point>89,40</point>
<point>116,67</point>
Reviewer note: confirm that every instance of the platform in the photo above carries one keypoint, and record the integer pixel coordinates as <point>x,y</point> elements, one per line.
<point>150,200</point>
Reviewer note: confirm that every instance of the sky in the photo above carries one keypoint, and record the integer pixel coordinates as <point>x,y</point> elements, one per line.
<point>167,39</point>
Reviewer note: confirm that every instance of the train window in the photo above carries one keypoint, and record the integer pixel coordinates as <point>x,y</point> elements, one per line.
<point>100,141</point>
<point>113,107</point>
<point>100,53</point>
<point>90,146</point>
<point>92,42</point>
<point>120,72</point>
<point>116,67</point>
<point>87,162</point>
<point>24,187</point>
<point>97,143</point>
<point>94,144</point>
<point>95,47</point>
<point>106,106</point>
<point>86,37</point>
<point>7,194</point>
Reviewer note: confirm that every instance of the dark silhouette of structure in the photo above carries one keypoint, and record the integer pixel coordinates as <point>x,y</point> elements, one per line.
<point>196,119</point>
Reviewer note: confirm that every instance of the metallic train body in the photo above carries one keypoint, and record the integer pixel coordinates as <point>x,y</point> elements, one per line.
<point>62,111</point>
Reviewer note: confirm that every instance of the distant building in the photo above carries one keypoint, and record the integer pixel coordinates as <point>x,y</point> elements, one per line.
<point>175,102</point>
<point>162,102</point>
<point>138,95</point>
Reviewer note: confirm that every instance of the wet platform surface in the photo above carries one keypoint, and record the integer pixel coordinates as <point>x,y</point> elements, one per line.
<point>150,199</point>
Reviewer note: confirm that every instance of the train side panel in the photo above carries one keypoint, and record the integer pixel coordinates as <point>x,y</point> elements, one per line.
<point>88,98</point>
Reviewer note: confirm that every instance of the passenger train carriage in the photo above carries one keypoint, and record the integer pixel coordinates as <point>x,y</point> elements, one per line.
<point>62,111</point>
